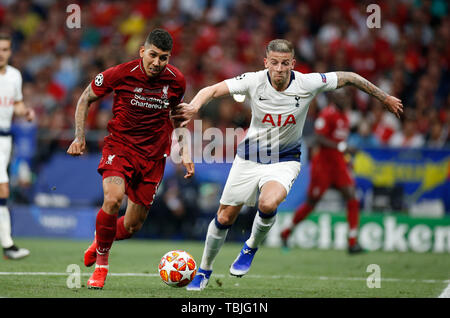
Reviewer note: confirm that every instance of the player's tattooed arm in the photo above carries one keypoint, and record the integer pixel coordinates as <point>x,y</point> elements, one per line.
<point>78,146</point>
<point>350,78</point>
<point>85,100</point>
<point>392,103</point>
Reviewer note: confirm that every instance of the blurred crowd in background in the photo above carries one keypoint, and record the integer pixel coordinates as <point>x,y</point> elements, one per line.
<point>408,57</point>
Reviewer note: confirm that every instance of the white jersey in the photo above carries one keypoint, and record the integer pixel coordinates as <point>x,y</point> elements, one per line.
<point>277,117</point>
<point>10,92</point>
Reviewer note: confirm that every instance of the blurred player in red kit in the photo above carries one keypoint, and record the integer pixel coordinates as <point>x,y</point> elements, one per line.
<point>139,141</point>
<point>329,167</point>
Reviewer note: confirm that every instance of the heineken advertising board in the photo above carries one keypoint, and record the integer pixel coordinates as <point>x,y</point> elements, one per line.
<point>386,232</point>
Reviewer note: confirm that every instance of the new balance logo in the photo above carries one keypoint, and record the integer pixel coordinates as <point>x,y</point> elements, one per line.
<point>138,90</point>
<point>110,159</point>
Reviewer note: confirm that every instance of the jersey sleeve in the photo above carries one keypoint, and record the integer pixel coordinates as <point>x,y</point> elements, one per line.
<point>180,89</point>
<point>104,82</point>
<point>241,84</point>
<point>320,82</point>
<point>18,88</point>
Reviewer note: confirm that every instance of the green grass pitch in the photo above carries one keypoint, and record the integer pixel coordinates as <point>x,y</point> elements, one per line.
<point>275,273</point>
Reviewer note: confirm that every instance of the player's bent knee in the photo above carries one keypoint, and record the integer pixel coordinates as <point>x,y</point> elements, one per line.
<point>112,202</point>
<point>267,206</point>
<point>134,228</point>
<point>225,219</point>
<point>227,216</point>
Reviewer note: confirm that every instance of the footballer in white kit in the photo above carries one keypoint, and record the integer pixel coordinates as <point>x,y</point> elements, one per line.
<point>268,159</point>
<point>10,93</point>
<point>272,147</point>
<point>11,103</point>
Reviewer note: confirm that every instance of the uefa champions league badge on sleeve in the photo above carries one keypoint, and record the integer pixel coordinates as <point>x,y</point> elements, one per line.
<point>99,80</point>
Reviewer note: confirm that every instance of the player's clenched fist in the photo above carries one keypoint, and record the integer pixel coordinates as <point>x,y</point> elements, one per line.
<point>77,148</point>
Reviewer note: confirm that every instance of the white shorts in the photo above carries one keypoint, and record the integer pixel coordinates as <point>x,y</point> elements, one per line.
<point>247,177</point>
<point>5,155</point>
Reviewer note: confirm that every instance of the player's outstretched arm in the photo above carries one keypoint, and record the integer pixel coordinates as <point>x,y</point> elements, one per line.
<point>392,103</point>
<point>78,146</point>
<point>184,112</point>
<point>21,110</point>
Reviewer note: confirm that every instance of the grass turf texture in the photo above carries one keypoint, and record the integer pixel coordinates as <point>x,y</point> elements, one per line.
<point>275,273</point>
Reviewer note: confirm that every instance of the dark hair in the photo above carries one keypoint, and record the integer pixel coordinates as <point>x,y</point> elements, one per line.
<point>5,36</point>
<point>161,39</point>
<point>280,45</point>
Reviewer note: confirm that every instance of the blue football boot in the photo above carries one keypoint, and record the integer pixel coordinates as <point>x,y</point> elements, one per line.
<point>242,263</point>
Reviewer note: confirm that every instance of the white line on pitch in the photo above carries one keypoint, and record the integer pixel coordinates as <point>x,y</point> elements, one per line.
<point>428,281</point>
<point>445,293</point>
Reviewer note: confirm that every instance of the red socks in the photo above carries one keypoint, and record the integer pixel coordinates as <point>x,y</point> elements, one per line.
<point>352,218</point>
<point>121,232</point>
<point>353,221</point>
<point>301,213</point>
<point>105,233</point>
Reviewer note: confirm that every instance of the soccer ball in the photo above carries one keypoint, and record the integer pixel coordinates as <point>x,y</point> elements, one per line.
<point>177,268</point>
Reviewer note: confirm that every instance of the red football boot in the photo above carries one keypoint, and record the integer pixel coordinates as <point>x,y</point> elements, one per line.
<point>90,255</point>
<point>98,277</point>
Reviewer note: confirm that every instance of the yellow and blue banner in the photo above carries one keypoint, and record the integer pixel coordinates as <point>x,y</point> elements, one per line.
<point>423,174</point>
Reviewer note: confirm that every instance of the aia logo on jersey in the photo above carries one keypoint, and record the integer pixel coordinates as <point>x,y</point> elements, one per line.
<point>278,120</point>
<point>6,101</point>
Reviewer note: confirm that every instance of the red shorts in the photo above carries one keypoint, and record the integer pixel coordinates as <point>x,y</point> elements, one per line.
<point>326,171</point>
<point>142,176</point>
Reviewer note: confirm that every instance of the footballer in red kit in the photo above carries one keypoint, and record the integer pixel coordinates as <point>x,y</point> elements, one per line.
<point>329,168</point>
<point>139,141</point>
<point>328,164</point>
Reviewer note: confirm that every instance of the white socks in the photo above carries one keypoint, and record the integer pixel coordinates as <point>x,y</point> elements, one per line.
<point>215,237</point>
<point>217,233</point>
<point>5,227</point>
<point>261,226</point>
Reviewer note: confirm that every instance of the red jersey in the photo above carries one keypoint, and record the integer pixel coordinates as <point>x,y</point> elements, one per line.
<point>141,106</point>
<point>328,165</point>
<point>333,124</point>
